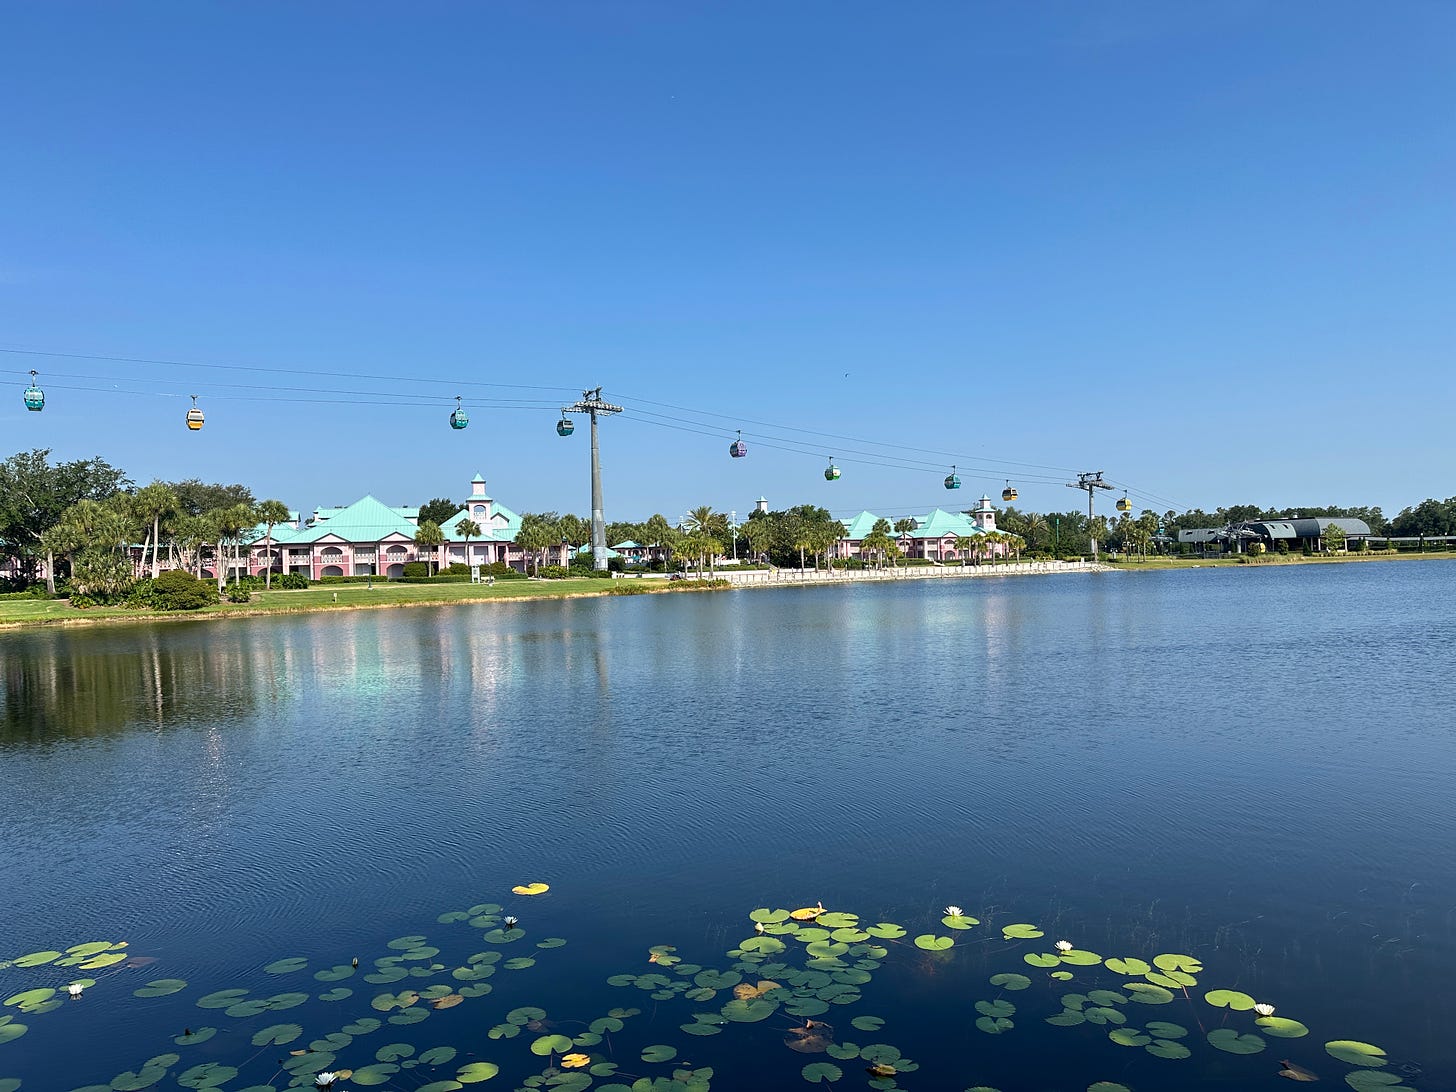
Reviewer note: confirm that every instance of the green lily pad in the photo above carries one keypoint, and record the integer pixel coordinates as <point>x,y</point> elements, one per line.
<point>1229,999</point>
<point>31,998</point>
<point>1129,1037</point>
<point>519,963</point>
<point>750,1010</point>
<point>1373,1080</point>
<point>886,930</point>
<point>868,1023</point>
<point>1127,966</point>
<point>160,988</point>
<point>1161,1029</point>
<point>702,1029</point>
<point>995,1008</point>
<point>992,1025</point>
<point>395,1052</point>
<point>1010,981</point>
<point>1099,1014</point>
<point>1168,1048</point>
<point>244,1009</point>
<point>525,1014</point>
<point>932,943</point>
<point>763,945</point>
<point>1171,962</point>
<point>207,1075</point>
<point>195,1036</point>
<point>445,1086</point>
<point>438,1055</point>
<point>659,1052</point>
<point>1063,976</point>
<point>1173,980</point>
<point>1076,957</point>
<point>338,993</point>
<point>822,1072</point>
<point>835,920</point>
<point>1106,997</point>
<point>378,1073</point>
<point>473,1073</point>
<point>1281,1027</point>
<point>1145,993</point>
<point>1041,959</point>
<point>765,916</point>
<point>280,1001</point>
<point>277,1034</point>
<point>362,1026</point>
<point>405,1017</point>
<point>134,1081</point>
<point>336,973</point>
<point>546,1044</point>
<point>286,966</point>
<point>38,959</point>
<point>551,942</point>
<point>1228,1039</point>
<point>1108,1086</point>
<point>1021,931</point>
<point>959,921</point>
<point>1345,1050</point>
<point>1069,1018</point>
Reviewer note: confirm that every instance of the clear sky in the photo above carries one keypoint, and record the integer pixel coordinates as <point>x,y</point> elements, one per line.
<point>1209,249</point>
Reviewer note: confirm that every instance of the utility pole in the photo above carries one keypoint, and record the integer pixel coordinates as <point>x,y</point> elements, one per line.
<point>591,403</point>
<point>1091,481</point>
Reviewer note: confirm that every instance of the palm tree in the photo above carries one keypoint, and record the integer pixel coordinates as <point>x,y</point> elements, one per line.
<point>759,533</point>
<point>704,526</point>
<point>963,545</point>
<point>537,533</point>
<point>1033,527</point>
<point>429,533</point>
<point>152,504</point>
<point>231,522</point>
<point>467,529</point>
<point>271,513</point>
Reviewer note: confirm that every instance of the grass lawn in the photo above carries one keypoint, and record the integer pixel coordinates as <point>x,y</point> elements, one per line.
<point>1152,563</point>
<point>318,598</point>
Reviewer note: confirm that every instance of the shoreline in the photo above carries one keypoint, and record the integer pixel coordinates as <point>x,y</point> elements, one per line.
<point>355,598</point>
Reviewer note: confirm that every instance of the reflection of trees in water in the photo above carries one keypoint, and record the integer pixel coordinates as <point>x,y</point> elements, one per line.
<point>76,685</point>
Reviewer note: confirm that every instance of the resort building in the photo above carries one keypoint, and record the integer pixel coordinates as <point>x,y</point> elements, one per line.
<point>1296,534</point>
<point>939,536</point>
<point>370,538</point>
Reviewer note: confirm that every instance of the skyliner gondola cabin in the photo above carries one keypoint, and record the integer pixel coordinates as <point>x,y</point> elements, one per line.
<point>952,480</point>
<point>34,396</point>
<point>831,472</point>
<point>458,417</point>
<point>1008,494</point>
<point>565,427</point>
<point>194,416</point>
<point>738,448</point>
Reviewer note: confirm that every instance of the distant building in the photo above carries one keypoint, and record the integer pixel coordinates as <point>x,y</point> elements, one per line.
<point>937,536</point>
<point>1296,534</point>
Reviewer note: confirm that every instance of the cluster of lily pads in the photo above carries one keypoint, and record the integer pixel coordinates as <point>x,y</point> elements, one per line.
<point>806,968</point>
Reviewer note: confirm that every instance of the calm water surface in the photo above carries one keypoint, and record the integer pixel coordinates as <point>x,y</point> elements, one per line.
<point>1250,766</point>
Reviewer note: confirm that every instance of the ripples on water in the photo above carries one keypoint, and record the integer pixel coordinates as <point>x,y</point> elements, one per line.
<point>1251,765</point>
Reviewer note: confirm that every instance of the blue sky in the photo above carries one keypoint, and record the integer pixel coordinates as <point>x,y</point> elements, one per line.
<point>1207,249</point>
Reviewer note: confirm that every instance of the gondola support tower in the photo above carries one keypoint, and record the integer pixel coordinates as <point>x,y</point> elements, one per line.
<point>592,405</point>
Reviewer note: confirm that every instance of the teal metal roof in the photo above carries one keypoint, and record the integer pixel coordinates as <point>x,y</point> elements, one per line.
<point>366,520</point>
<point>628,545</point>
<point>504,525</point>
<point>586,551</point>
<point>938,524</point>
<point>862,524</point>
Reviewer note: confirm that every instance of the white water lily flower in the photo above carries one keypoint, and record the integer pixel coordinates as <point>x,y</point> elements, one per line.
<point>75,989</point>
<point>1264,1009</point>
<point>325,1080</point>
<point>758,927</point>
<point>1064,945</point>
<point>511,921</point>
<point>952,911</point>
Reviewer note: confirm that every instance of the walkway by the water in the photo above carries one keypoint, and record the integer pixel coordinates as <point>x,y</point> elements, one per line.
<point>779,577</point>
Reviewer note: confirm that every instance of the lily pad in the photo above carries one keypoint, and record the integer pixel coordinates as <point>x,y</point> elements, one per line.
<point>1076,957</point>
<point>474,1073</point>
<point>38,959</point>
<point>548,1044</point>
<point>1281,1027</point>
<point>378,1073</point>
<point>1229,999</point>
<point>160,988</point>
<point>395,1052</point>
<point>438,1055</point>
<point>134,1081</point>
<point>1372,1080</point>
<point>1228,1039</point>
<point>286,966</point>
<point>207,1075</point>
<point>1127,966</point>
<point>1350,1051</point>
<point>530,889</point>
<point>1041,959</point>
<point>1129,1037</point>
<point>335,974</point>
<point>822,1072</point>
<point>277,1034</point>
<point>1010,981</point>
<point>886,930</point>
<point>1168,1048</point>
<point>194,1036</point>
<point>932,943</point>
<point>1021,931</point>
<point>868,1023</point>
<point>995,1008</point>
<point>338,993</point>
<point>1108,1086</point>
<point>659,1052</point>
<point>1173,962</point>
<point>768,917</point>
<point>833,919</point>
<point>959,921</point>
<point>749,1010</point>
<point>1162,1029</point>
<point>992,1025</point>
<point>1146,993</point>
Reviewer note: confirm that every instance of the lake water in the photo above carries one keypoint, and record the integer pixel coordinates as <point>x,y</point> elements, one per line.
<point>1246,766</point>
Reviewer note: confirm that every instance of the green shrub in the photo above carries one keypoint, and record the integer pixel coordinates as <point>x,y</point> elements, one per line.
<point>291,582</point>
<point>178,589</point>
<point>456,568</point>
<point>348,579</point>
<point>416,569</point>
<point>239,594</point>
<point>554,572</point>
